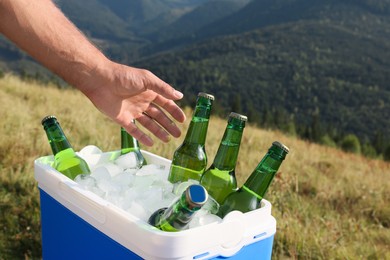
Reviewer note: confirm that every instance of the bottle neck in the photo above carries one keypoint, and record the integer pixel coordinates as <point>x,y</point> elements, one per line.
<point>197,129</point>
<point>128,143</point>
<point>177,216</point>
<point>227,154</point>
<point>57,139</point>
<point>261,178</point>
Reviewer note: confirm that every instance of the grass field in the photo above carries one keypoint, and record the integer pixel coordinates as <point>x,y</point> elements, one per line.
<point>328,204</point>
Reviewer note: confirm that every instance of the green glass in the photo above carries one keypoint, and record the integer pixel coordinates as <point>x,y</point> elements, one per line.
<point>220,179</point>
<point>181,212</point>
<point>66,160</point>
<point>130,145</point>
<point>190,158</point>
<point>249,196</point>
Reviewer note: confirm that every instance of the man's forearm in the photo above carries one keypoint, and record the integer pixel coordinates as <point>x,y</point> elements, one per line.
<point>41,29</point>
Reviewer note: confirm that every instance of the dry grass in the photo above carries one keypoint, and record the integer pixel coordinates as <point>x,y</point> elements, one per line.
<point>328,204</point>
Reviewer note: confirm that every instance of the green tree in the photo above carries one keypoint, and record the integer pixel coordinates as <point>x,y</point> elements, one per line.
<point>315,133</point>
<point>386,154</point>
<point>290,128</point>
<point>350,143</point>
<point>328,141</point>
<point>236,104</point>
<point>368,150</point>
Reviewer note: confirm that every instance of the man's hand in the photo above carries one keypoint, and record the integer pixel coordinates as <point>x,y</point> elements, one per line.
<point>127,93</point>
<point>121,92</point>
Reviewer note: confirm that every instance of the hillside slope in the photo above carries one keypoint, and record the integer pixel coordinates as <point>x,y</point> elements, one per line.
<point>328,204</point>
<point>203,15</point>
<point>305,64</point>
<point>262,13</point>
<point>301,69</point>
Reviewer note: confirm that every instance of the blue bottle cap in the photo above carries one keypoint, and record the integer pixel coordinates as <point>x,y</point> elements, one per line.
<point>196,196</point>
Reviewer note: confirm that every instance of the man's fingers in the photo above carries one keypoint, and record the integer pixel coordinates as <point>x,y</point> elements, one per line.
<point>154,112</point>
<point>153,127</point>
<point>134,131</point>
<point>171,107</point>
<point>152,82</point>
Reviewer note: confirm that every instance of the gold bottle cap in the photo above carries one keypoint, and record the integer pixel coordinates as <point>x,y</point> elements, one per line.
<point>48,118</point>
<point>238,116</point>
<point>205,95</point>
<point>281,146</point>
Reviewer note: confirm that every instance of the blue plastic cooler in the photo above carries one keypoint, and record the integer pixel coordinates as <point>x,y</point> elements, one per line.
<point>77,224</point>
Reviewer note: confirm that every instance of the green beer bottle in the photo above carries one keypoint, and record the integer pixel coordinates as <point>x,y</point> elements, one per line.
<point>220,179</point>
<point>249,196</point>
<point>130,145</point>
<point>190,159</point>
<point>181,212</point>
<point>66,160</point>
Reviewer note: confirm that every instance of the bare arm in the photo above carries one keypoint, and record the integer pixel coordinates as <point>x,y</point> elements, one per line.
<point>123,93</point>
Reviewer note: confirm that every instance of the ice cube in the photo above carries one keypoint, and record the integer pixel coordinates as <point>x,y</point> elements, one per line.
<point>179,188</point>
<point>204,218</point>
<point>168,199</point>
<point>131,171</point>
<point>124,179</point>
<point>143,181</point>
<point>90,149</point>
<point>127,161</point>
<point>114,196</point>
<point>211,205</point>
<point>85,180</point>
<point>109,187</point>
<point>88,182</point>
<point>166,186</point>
<point>151,169</point>
<point>129,196</point>
<point>91,154</point>
<point>151,199</point>
<point>98,192</point>
<point>113,169</point>
<point>106,171</point>
<point>138,211</point>
<point>161,175</point>
<point>101,173</point>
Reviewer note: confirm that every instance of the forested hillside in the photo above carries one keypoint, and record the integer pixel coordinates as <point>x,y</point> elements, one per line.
<point>319,71</point>
<point>314,68</point>
<point>188,24</point>
<point>262,13</point>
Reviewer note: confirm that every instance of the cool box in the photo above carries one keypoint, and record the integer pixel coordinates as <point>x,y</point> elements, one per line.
<point>77,224</point>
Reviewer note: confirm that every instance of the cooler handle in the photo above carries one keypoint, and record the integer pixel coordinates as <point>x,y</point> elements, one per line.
<point>82,203</point>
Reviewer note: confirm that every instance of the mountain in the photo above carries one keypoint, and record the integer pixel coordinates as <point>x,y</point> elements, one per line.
<point>318,68</point>
<point>325,63</point>
<point>262,13</point>
<point>201,16</point>
<point>96,20</point>
<point>117,27</point>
